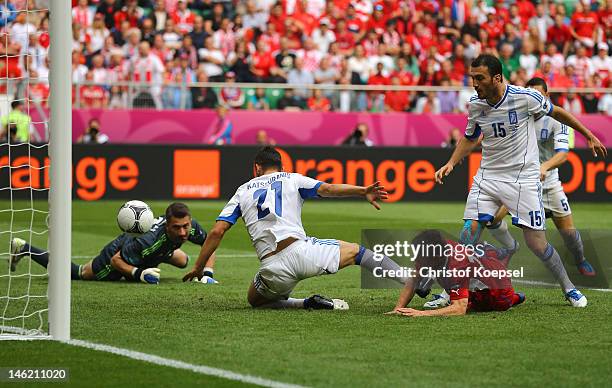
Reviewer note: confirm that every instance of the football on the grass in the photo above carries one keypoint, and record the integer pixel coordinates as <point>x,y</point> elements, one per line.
<point>135,217</point>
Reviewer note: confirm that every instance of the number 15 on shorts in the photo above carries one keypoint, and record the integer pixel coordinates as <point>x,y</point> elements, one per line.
<point>536,218</point>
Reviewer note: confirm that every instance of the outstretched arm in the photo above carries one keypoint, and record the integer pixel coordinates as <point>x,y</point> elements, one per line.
<point>371,193</point>
<point>405,296</point>
<point>565,117</point>
<point>457,307</point>
<point>213,240</point>
<point>463,149</point>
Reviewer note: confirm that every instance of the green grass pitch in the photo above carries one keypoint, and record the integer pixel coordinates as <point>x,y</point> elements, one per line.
<point>542,341</point>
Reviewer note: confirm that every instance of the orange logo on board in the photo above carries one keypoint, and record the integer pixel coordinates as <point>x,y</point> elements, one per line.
<point>196,173</point>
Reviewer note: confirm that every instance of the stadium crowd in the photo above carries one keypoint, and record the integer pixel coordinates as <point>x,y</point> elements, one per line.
<point>165,46</point>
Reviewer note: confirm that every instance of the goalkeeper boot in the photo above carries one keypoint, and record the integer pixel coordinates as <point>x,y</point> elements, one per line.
<point>438,300</point>
<point>576,298</point>
<point>519,298</point>
<point>318,302</point>
<point>17,245</point>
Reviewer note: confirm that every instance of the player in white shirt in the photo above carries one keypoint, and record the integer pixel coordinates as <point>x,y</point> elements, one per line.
<point>553,146</point>
<point>509,172</point>
<point>271,206</point>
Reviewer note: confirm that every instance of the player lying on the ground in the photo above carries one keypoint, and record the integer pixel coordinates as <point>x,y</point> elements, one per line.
<point>553,145</point>
<point>469,288</point>
<point>271,205</point>
<point>134,257</point>
<point>509,172</point>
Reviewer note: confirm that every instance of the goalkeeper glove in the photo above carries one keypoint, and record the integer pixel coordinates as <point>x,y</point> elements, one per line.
<point>149,275</point>
<point>208,280</point>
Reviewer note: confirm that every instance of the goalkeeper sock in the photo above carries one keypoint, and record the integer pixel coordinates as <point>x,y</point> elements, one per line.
<point>368,259</point>
<point>573,242</point>
<point>291,303</point>
<point>501,234</point>
<point>552,261</point>
<point>42,258</point>
<point>38,255</point>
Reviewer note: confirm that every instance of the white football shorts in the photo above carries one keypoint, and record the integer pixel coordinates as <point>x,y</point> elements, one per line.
<point>279,274</point>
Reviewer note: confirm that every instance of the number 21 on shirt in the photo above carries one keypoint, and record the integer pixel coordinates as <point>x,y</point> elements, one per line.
<point>261,194</point>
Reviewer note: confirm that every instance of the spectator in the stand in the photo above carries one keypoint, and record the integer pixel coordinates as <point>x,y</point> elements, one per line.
<point>100,74</point>
<point>291,102</point>
<point>198,34</point>
<point>148,31</point>
<point>510,62</point>
<point>176,94</point>
<point>560,35</point>
<point>7,13</point>
<point>254,18</point>
<point>78,69</point>
<point>223,128</point>
<point>382,57</point>
<point>108,8</point>
<point>21,119</point>
<point>605,104</point>
<point>229,95</point>
<point>428,104</point>
<point>92,134</point>
<point>396,100</point>
<point>318,102</point>
<point>130,48</point>
<point>464,96</point>
<point>259,101</point>
<point>344,38</point>
<point>602,62</point>
<point>300,76</point>
<point>573,104</point>
<point>542,21</point>
<point>377,97</point>
<point>556,59</point>
<point>98,33</point>
<point>323,36</point>
<point>172,37</point>
<point>201,96</point>
<point>590,100</point>
<point>262,138</point>
<point>212,59</point>
<point>261,62</point>
<point>271,38</point>
<point>447,98</point>
<point>224,37</point>
<point>92,96</point>
<point>284,59</point>
<point>452,139</point>
<point>582,63</point>
<point>359,136</point>
<point>239,64</point>
<point>584,26</point>
<point>188,51</point>
<point>309,55</point>
<point>326,75</point>
<point>160,50</point>
<point>183,17</point>
<point>527,60</point>
<point>148,68</point>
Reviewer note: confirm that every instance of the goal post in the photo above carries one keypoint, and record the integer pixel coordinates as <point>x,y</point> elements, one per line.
<point>60,155</point>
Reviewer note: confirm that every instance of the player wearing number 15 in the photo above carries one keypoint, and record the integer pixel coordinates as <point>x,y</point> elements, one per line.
<point>509,172</point>
<point>271,207</point>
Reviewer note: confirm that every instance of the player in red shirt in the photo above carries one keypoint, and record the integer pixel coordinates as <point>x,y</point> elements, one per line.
<point>495,292</point>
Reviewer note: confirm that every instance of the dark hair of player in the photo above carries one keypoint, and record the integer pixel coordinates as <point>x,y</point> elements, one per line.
<point>268,157</point>
<point>491,62</point>
<point>537,81</point>
<point>177,210</point>
<point>432,247</point>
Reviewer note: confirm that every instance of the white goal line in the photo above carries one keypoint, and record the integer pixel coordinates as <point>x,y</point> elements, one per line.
<point>21,334</point>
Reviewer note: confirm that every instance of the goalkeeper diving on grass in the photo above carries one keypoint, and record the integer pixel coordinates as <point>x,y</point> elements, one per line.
<point>134,257</point>
<point>271,206</point>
